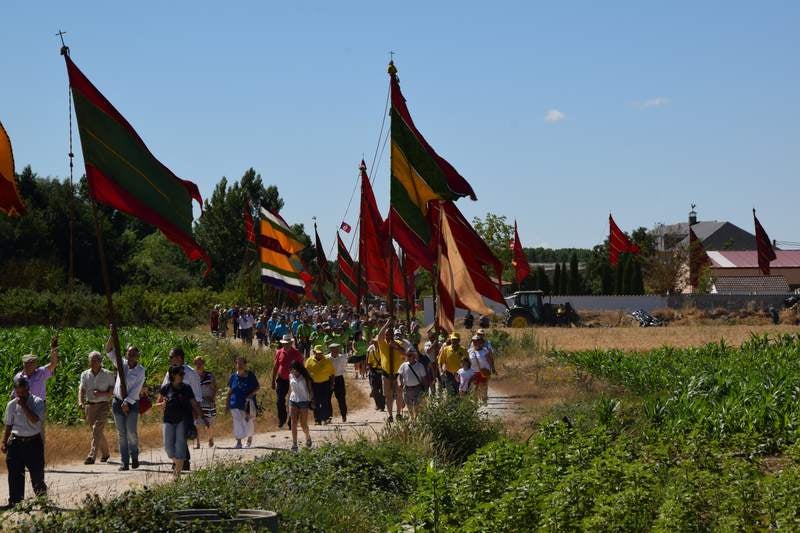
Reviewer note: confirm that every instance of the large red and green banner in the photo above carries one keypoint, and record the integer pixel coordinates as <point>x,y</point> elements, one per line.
<point>418,176</point>
<point>124,174</point>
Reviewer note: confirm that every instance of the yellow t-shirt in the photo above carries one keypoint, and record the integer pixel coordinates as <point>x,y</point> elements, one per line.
<point>390,362</point>
<point>450,358</point>
<point>373,357</point>
<point>321,370</point>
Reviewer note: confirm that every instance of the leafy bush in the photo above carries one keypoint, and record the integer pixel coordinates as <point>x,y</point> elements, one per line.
<point>357,486</point>
<point>454,427</point>
<point>134,305</point>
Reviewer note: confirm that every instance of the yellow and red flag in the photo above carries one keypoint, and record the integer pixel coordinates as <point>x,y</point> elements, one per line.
<point>10,201</point>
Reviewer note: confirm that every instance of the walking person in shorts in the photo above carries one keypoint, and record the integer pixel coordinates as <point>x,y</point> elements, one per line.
<point>300,397</point>
<point>413,381</point>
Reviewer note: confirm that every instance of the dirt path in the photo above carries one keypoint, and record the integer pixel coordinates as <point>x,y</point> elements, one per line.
<point>69,483</point>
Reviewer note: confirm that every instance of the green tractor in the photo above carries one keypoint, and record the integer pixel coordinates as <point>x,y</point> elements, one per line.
<point>528,308</point>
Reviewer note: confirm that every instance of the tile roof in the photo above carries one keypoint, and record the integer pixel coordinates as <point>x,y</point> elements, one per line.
<point>749,259</point>
<point>751,285</point>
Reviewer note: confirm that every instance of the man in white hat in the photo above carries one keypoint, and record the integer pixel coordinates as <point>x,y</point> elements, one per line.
<point>339,368</point>
<point>284,357</point>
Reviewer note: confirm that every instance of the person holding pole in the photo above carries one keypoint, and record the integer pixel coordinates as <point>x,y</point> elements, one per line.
<point>339,368</point>
<point>126,407</point>
<point>391,357</point>
<point>38,376</point>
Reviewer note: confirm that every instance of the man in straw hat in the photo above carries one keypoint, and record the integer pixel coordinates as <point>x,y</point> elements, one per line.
<point>38,376</point>
<point>322,376</point>
<point>391,349</point>
<point>284,357</point>
<point>450,361</point>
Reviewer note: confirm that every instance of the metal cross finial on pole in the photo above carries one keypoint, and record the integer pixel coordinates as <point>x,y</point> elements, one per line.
<point>64,47</point>
<point>391,55</point>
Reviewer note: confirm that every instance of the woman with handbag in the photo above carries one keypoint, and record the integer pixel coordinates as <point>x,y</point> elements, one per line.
<point>180,410</point>
<point>300,398</point>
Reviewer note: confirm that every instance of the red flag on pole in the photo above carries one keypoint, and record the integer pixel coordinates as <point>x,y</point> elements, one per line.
<point>374,245</point>
<point>618,243</point>
<point>249,226</point>
<point>520,260</point>
<point>766,254</point>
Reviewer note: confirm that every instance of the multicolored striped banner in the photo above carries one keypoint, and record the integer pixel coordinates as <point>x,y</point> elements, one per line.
<point>418,176</point>
<point>277,249</point>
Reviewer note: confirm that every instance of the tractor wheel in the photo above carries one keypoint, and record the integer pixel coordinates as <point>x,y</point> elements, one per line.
<point>519,322</point>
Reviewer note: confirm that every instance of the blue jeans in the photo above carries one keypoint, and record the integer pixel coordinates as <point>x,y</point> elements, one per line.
<point>127,431</point>
<point>175,440</point>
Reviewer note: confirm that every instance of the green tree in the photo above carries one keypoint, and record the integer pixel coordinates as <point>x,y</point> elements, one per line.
<point>497,233</point>
<point>557,279</point>
<point>220,231</point>
<point>637,281</point>
<point>564,282</point>
<point>575,281</point>
<point>542,280</point>
<point>159,264</point>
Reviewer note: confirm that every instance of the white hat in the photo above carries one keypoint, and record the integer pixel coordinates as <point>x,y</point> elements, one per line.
<point>286,339</point>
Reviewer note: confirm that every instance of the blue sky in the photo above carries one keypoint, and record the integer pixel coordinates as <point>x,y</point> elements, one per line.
<point>557,114</point>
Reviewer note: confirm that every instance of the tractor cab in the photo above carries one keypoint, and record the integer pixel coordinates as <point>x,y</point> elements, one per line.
<point>526,308</point>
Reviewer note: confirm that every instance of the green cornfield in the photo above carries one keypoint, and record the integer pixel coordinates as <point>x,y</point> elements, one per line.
<point>74,346</point>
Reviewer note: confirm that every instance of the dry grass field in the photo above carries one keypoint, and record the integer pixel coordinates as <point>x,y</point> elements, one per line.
<point>638,339</point>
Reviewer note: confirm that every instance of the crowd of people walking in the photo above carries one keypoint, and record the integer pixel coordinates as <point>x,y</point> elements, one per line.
<point>314,348</point>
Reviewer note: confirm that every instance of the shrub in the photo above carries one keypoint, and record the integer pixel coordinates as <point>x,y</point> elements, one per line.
<point>454,426</point>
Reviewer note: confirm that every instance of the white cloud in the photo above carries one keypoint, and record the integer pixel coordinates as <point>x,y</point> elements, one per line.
<point>658,101</point>
<point>554,115</point>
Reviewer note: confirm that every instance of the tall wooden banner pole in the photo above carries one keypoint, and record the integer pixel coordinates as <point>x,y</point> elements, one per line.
<point>109,301</point>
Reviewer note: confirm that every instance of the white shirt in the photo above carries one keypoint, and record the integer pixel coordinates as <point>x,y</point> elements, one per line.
<point>299,389</point>
<point>103,381</point>
<point>464,377</point>
<point>409,379</point>
<point>191,378</point>
<point>339,364</point>
<point>20,425</point>
<point>134,379</point>
<point>479,359</point>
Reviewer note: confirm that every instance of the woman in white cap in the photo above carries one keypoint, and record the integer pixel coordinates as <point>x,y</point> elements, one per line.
<point>482,362</point>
